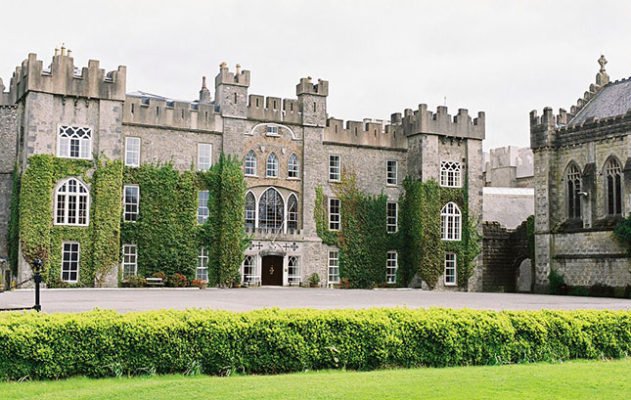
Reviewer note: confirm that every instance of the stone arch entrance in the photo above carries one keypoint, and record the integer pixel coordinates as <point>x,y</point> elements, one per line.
<point>524,278</point>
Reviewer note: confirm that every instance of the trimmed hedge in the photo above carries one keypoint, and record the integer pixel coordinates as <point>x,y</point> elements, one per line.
<point>106,343</point>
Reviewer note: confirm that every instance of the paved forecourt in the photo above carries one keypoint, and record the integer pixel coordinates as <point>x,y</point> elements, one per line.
<point>124,300</point>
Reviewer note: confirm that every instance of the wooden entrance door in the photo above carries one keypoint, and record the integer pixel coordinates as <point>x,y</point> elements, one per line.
<point>272,271</point>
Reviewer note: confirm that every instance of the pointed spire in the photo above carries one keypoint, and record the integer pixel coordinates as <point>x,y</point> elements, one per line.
<point>204,93</point>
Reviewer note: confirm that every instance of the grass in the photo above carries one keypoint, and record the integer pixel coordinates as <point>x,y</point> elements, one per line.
<point>571,380</point>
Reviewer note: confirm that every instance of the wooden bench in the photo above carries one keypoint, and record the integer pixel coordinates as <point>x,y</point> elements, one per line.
<point>154,282</point>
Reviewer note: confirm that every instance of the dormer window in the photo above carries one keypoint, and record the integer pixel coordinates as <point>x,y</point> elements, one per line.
<point>272,130</point>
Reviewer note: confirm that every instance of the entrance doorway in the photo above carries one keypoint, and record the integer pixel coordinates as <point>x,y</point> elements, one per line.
<point>272,271</point>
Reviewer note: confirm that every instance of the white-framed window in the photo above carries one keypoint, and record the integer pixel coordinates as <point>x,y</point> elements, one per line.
<point>131,202</point>
<point>132,151</point>
<point>450,269</point>
<point>450,222</point>
<point>272,130</point>
<point>70,258</point>
<point>202,206</point>
<point>130,260</point>
<point>293,166</point>
<point>391,267</point>
<point>334,214</point>
<point>271,167</point>
<point>249,269</point>
<point>292,213</point>
<point>74,142</point>
<point>450,174</point>
<point>293,271</point>
<point>204,156</point>
<point>391,172</point>
<point>250,163</point>
<point>392,216</point>
<point>72,203</point>
<point>250,210</point>
<point>334,168</point>
<point>202,265</point>
<point>334,267</point>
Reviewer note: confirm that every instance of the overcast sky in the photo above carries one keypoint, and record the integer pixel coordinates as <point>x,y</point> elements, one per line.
<point>380,57</point>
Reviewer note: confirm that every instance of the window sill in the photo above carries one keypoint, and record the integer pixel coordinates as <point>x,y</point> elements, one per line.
<point>293,179</point>
<point>451,284</point>
<point>250,176</point>
<point>271,177</point>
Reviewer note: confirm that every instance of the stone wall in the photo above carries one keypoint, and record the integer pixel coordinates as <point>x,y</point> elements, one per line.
<point>8,141</point>
<point>503,251</point>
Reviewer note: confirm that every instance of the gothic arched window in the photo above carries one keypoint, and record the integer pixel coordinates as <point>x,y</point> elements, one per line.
<point>271,168</point>
<point>271,210</point>
<point>250,164</point>
<point>613,173</point>
<point>293,167</point>
<point>292,213</point>
<point>450,222</point>
<point>72,203</point>
<point>573,192</point>
<point>250,210</point>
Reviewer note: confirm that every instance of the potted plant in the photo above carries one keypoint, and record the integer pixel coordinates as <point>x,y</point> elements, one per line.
<point>314,280</point>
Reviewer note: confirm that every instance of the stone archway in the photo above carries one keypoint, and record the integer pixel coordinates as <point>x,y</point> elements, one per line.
<point>525,276</point>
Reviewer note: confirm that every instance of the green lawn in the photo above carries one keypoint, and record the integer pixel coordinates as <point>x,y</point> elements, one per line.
<point>572,380</point>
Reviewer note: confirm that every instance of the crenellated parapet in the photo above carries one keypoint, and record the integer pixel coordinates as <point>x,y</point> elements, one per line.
<point>63,78</point>
<point>274,109</point>
<point>306,86</point>
<point>164,113</point>
<point>441,122</point>
<point>237,78</point>
<point>371,133</point>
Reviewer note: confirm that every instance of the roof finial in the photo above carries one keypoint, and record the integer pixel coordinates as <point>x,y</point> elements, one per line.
<point>602,61</point>
<point>238,69</point>
<point>204,82</point>
<point>602,78</point>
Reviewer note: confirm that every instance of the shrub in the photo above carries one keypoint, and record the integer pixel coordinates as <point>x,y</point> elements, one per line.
<point>177,280</point>
<point>106,343</point>
<point>199,283</point>
<point>557,283</point>
<point>135,282</point>
<point>314,280</point>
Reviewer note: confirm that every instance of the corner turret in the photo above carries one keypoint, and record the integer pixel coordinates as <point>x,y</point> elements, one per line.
<point>231,91</point>
<point>312,101</point>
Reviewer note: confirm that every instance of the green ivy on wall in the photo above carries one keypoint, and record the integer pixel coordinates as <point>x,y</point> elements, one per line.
<point>225,228</point>
<point>41,239</point>
<point>364,243</point>
<point>165,232</point>
<point>14,222</point>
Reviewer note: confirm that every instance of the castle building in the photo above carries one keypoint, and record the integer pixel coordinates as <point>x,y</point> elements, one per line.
<point>582,173</point>
<point>289,147</point>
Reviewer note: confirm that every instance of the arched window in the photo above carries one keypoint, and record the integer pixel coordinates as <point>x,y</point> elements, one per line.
<point>450,222</point>
<point>250,210</point>
<point>72,203</point>
<point>573,192</point>
<point>271,169</point>
<point>292,213</point>
<point>271,210</point>
<point>250,164</point>
<point>293,167</point>
<point>613,173</point>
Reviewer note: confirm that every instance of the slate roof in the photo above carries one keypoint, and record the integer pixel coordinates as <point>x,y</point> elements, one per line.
<point>612,100</point>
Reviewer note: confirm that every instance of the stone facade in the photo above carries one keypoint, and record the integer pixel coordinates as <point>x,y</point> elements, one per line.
<point>507,264</point>
<point>582,177</point>
<point>236,122</point>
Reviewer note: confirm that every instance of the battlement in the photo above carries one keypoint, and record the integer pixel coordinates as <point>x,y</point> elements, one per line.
<point>237,78</point>
<point>441,122</point>
<point>274,109</point>
<point>63,78</point>
<point>373,133</point>
<point>151,110</point>
<point>5,98</point>
<point>307,87</point>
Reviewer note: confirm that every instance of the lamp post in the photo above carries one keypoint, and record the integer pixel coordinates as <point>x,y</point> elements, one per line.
<point>37,277</point>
